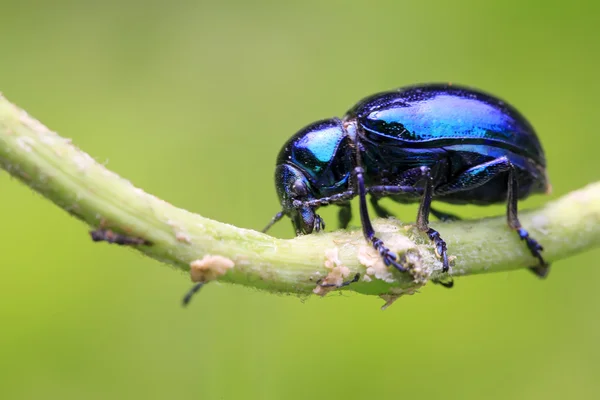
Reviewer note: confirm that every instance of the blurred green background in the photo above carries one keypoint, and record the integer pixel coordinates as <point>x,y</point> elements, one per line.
<point>192,101</point>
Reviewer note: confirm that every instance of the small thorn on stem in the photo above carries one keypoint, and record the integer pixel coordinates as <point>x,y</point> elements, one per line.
<point>106,235</point>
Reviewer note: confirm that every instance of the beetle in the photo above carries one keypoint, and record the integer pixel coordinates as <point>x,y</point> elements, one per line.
<point>442,142</point>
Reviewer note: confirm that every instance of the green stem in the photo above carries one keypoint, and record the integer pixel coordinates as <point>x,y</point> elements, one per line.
<point>54,167</point>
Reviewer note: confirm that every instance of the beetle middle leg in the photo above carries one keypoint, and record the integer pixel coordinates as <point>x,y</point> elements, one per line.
<point>409,185</point>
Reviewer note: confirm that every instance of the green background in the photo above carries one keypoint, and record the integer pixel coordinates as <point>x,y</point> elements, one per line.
<point>192,101</point>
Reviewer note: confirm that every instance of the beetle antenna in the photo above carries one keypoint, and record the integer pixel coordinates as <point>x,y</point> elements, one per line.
<point>276,218</point>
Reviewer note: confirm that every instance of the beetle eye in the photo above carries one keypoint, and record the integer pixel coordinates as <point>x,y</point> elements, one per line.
<point>299,189</point>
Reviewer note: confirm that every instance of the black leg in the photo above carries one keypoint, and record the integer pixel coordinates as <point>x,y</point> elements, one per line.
<point>390,190</point>
<point>188,296</point>
<point>423,223</point>
<point>475,176</point>
<point>513,221</point>
<point>344,215</point>
<point>444,216</point>
<point>324,201</point>
<point>319,223</point>
<point>340,198</point>
<point>389,258</point>
<point>406,183</point>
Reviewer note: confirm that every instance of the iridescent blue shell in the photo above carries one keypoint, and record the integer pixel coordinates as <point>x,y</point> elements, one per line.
<point>451,129</point>
<point>435,115</point>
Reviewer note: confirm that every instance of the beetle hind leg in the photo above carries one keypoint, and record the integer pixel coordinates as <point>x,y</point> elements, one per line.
<point>534,247</point>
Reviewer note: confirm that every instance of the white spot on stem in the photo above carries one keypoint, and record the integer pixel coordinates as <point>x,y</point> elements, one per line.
<point>336,275</point>
<point>210,268</point>
<point>25,143</point>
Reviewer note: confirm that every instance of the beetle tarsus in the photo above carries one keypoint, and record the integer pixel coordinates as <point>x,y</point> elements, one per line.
<point>319,223</point>
<point>389,258</point>
<point>535,248</point>
<point>440,247</point>
<point>541,271</point>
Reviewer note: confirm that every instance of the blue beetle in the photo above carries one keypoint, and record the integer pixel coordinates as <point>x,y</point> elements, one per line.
<point>435,141</point>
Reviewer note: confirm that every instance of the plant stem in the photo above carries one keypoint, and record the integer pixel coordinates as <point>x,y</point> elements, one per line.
<point>54,167</point>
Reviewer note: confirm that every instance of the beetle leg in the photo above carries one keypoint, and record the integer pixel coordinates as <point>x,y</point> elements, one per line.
<point>344,215</point>
<point>475,176</point>
<point>389,258</point>
<point>405,184</point>
<point>390,190</point>
<point>513,221</point>
<point>423,222</point>
<point>481,174</point>
<point>324,201</point>
<point>319,224</point>
<point>444,216</point>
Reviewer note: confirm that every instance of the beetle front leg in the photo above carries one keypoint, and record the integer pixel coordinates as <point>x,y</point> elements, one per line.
<point>339,198</point>
<point>324,201</point>
<point>423,222</point>
<point>389,258</point>
<point>513,221</point>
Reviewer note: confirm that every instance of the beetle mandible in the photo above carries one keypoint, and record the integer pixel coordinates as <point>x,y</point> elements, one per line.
<point>415,144</point>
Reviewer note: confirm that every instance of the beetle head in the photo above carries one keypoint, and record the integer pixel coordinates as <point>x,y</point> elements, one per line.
<point>294,189</point>
<point>314,163</point>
